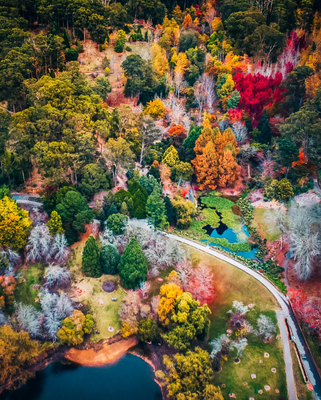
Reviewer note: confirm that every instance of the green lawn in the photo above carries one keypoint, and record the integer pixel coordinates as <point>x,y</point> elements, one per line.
<point>233,284</point>
<point>30,276</point>
<point>96,301</point>
<point>262,221</point>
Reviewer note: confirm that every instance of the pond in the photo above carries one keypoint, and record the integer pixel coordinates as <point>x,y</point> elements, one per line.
<point>232,236</point>
<point>130,378</point>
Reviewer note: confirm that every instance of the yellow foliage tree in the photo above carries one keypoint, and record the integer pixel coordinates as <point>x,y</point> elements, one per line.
<point>159,62</point>
<point>17,353</point>
<point>15,224</point>
<point>75,327</point>
<point>168,293</point>
<point>227,88</point>
<point>182,63</point>
<point>155,109</point>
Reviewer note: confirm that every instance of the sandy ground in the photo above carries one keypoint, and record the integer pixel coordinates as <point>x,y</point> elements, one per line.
<point>109,353</point>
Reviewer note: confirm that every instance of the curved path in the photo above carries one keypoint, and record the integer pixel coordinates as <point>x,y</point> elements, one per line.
<point>285,312</point>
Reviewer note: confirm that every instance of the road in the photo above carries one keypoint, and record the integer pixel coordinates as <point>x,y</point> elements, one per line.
<point>285,312</point>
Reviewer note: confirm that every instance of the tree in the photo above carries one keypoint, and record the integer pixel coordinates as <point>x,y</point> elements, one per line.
<point>75,327</point>
<point>170,157</point>
<point>147,330</point>
<point>284,190</point>
<point>116,223</point>
<point>102,87</point>
<point>184,211</point>
<point>15,225</point>
<point>190,376</point>
<point>55,224</point>
<point>7,288</point>
<point>265,133</point>
<point>139,204</point>
<point>120,41</point>
<point>295,87</point>
<point>155,109</point>
<point>287,154</point>
<point>233,100</point>
<point>94,179</point>
<point>170,211</point>
<point>200,283</point>
<point>109,259</point>
<point>29,320</point>
<point>39,244</point>
<point>75,213</point>
<point>120,156</point>
<point>188,40</point>
<point>160,62</point>
<point>188,321</point>
<point>60,250</point>
<point>132,266</point>
<point>168,294</point>
<point>155,209</point>
<point>91,259</point>
<point>150,132</point>
<point>17,353</point>
<point>56,275</point>
<point>265,327</point>
<point>228,170</point>
<point>184,171</point>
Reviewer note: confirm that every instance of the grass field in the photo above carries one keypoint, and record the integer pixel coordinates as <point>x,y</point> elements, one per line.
<point>100,304</point>
<point>24,292</point>
<point>233,284</point>
<point>262,221</point>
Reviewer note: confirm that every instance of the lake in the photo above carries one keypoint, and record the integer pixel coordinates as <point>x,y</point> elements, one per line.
<point>131,378</point>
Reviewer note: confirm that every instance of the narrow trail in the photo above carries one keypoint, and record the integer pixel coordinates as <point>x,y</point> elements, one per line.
<point>285,313</point>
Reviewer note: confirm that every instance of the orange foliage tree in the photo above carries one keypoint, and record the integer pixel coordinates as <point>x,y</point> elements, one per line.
<point>215,163</point>
<point>177,134</point>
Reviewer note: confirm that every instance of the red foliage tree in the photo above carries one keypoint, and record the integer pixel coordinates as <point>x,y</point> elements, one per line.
<point>177,134</point>
<point>258,92</point>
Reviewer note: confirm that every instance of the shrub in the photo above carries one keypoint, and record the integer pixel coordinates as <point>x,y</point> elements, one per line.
<point>116,223</point>
<point>71,55</point>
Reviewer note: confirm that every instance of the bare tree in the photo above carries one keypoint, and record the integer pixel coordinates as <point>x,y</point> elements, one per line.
<point>219,344</point>
<point>239,345</point>
<point>184,270</point>
<point>60,249</point>
<point>149,133</point>
<point>56,275</point>
<point>39,244</point>
<point>209,18</point>
<point>278,219</point>
<point>240,131</point>
<point>29,320</point>
<point>266,327</point>
<point>144,288</point>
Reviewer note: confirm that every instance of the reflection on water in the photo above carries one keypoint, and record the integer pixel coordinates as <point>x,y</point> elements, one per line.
<point>131,378</point>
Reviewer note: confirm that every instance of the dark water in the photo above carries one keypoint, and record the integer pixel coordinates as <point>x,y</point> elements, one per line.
<point>131,378</point>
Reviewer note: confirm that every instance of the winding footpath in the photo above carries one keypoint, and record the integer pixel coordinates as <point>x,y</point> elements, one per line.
<point>285,313</point>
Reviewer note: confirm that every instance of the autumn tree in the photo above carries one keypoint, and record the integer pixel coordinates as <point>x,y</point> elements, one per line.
<point>170,157</point>
<point>75,327</point>
<point>184,211</point>
<point>15,224</point>
<point>168,294</point>
<point>17,353</point>
<point>155,109</point>
<point>190,375</point>
<point>228,169</point>
<point>55,224</point>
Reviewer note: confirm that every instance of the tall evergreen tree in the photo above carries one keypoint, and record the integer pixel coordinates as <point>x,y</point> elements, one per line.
<point>91,259</point>
<point>265,134</point>
<point>139,204</point>
<point>156,210</point>
<point>133,266</point>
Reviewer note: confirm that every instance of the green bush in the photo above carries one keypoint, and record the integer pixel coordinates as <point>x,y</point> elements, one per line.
<point>71,54</point>
<point>116,223</point>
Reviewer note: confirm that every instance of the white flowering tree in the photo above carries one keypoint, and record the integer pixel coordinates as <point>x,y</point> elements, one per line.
<point>265,327</point>
<point>39,244</point>
<point>56,275</point>
<point>29,320</point>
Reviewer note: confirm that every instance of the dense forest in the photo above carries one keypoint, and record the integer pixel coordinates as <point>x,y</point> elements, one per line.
<point>190,116</point>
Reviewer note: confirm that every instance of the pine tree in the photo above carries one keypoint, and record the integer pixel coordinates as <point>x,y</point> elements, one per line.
<point>109,259</point>
<point>170,210</point>
<point>133,266</point>
<point>139,204</point>
<point>55,224</point>
<point>265,134</point>
<point>91,259</point>
<point>155,209</point>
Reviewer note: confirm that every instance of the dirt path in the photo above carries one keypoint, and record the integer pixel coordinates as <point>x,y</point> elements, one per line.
<point>108,354</point>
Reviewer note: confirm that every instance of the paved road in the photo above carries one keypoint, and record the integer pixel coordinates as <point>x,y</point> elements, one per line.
<point>285,312</point>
